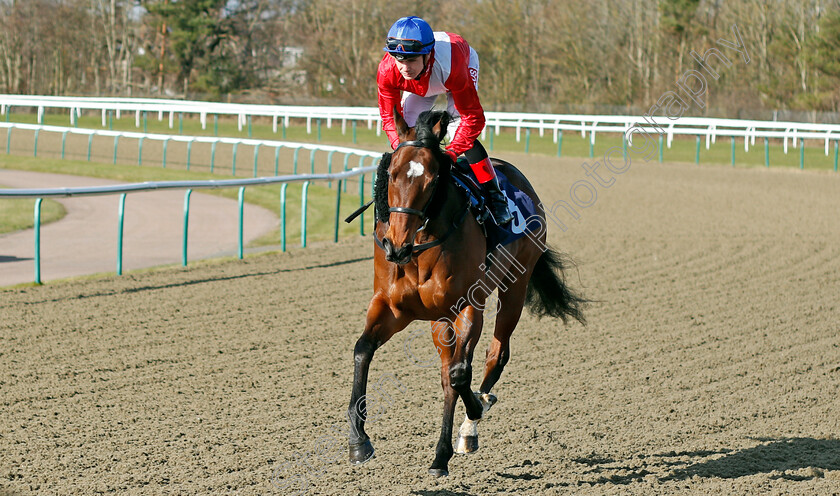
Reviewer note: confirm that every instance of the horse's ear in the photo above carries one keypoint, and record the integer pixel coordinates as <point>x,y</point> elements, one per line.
<point>402,126</point>
<point>440,128</point>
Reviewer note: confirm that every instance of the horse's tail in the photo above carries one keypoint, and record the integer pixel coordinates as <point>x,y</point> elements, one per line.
<point>548,294</point>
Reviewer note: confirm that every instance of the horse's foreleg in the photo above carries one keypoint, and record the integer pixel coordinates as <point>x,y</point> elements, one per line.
<point>468,331</point>
<point>444,339</point>
<point>456,341</point>
<point>381,324</point>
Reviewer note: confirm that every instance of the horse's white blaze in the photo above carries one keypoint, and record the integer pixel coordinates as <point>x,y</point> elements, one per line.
<point>415,169</point>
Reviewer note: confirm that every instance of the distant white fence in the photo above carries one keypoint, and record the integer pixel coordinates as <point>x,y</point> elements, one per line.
<point>700,127</point>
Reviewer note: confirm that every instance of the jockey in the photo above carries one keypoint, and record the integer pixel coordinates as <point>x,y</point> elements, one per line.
<point>424,64</point>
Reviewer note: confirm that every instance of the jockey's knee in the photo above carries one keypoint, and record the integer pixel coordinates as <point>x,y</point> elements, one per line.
<point>460,375</point>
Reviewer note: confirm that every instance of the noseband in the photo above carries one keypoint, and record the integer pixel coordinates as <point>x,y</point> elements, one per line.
<point>422,213</point>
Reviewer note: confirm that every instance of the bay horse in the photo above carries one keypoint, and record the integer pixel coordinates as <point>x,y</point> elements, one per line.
<point>430,259</point>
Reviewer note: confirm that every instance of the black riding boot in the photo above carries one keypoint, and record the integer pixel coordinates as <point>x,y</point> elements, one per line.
<point>498,202</point>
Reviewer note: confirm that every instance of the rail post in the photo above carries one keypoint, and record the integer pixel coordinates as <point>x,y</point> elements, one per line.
<point>329,166</point>
<point>559,142</point>
<point>361,203</point>
<point>235,146</point>
<point>38,241</point>
<point>256,155</point>
<point>733,150</point>
<point>766,152</point>
<point>116,147</point>
<point>303,199</point>
<point>283,216</point>
<point>241,222</point>
<point>189,153</point>
<point>624,146</point>
<point>63,143</point>
<point>660,148</point>
<point>801,153</point>
<point>697,151</point>
<point>35,150</point>
<point>165,144</point>
<point>337,210</point>
<point>213,156</point>
<point>186,226</point>
<point>121,215</point>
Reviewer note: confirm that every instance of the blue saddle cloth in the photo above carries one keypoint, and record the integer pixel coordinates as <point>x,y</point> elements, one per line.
<point>520,205</point>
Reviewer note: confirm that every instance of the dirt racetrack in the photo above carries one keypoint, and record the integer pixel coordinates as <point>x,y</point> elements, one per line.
<point>711,363</point>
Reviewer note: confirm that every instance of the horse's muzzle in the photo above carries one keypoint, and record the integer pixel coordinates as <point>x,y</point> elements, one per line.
<point>400,256</point>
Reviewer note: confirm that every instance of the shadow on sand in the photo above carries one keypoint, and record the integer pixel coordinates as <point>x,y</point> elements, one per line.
<point>777,455</point>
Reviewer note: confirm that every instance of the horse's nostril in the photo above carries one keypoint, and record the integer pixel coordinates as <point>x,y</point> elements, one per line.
<point>403,255</point>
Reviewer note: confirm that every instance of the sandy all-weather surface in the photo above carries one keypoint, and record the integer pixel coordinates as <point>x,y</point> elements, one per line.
<point>711,362</point>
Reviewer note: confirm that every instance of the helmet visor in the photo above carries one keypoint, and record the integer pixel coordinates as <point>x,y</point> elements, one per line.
<point>408,47</point>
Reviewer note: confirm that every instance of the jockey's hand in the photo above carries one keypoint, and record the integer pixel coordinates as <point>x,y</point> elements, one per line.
<point>452,155</point>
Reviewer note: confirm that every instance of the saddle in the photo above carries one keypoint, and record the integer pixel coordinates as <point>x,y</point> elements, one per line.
<point>520,205</point>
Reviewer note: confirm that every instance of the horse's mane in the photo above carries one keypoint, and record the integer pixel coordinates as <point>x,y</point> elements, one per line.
<point>424,133</point>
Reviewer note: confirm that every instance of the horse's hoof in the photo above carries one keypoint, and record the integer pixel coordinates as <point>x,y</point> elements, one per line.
<point>466,444</point>
<point>487,400</point>
<point>439,472</point>
<point>360,453</point>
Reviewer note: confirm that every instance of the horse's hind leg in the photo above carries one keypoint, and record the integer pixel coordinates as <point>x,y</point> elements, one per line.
<point>498,354</point>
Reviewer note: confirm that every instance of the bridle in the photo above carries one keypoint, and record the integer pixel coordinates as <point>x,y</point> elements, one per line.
<point>422,213</point>
<point>414,211</point>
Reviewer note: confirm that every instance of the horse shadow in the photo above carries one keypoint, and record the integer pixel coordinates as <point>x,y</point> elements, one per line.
<point>775,456</point>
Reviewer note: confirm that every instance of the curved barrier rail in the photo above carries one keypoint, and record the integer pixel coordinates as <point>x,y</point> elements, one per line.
<point>708,129</point>
<point>189,186</point>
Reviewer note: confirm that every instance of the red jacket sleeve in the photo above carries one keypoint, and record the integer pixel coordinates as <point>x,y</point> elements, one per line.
<point>465,98</point>
<point>389,96</point>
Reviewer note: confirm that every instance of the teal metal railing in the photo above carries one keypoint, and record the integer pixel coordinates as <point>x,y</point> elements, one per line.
<point>124,189</point>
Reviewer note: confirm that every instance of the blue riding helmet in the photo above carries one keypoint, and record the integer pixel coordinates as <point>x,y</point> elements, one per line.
<point>409,37</point>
